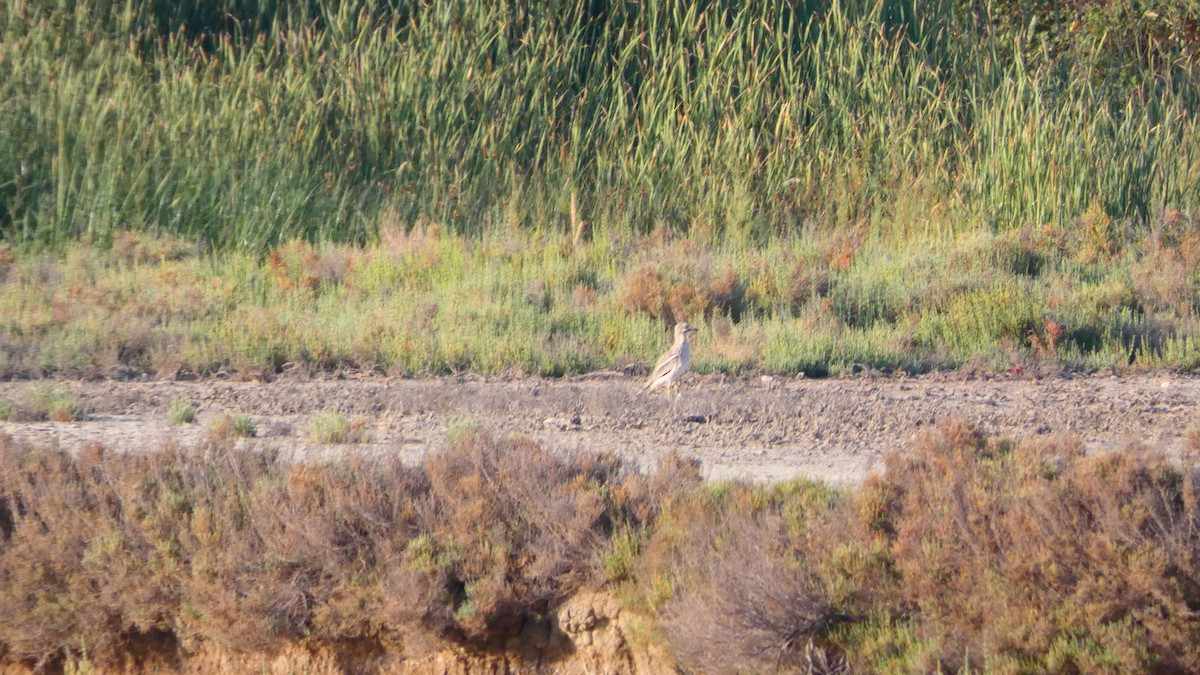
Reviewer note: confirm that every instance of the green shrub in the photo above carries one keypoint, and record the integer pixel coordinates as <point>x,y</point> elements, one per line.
<point>232,426</point>
<point>49,402</point>
<point>332,427</point>
<point>181,411</point>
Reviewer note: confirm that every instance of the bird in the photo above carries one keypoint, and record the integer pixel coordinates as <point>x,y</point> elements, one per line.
<point>672,365</point>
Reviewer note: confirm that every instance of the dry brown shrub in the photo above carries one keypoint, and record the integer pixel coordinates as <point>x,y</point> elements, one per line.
<point>644,291</point>
<point>509,529</point>
<point>235,546</point>
<point>7,261</point>
<point>753,579</point>
<point>300,265</point>
<point>1031,556</point>
<point>1192,449</point>
<point>583,296</point>
<point>74,578</point>
<point>1163,281</point>
<point>221,545</point>
<point>1189,247</point>
<point>399,240</point>
<point>132,247</point>
<point>683,284</point>
<point>806,281</point>
<point>1036,554</point>
<point>1101,235</point>
<point>287,551</point>
<point>842,245</point>
<point>755,607</point>
<point>642,498</point>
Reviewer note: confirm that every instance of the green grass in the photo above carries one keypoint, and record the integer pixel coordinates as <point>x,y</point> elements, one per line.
<point>622,551</point>
<point>333,427</point>
<point>181,412</point>
<point>243,427</point>
<point>52,403</point>
<point>232,426</point>
<point>727,120</point>
<point>821,187</point>
<point>435,303</point>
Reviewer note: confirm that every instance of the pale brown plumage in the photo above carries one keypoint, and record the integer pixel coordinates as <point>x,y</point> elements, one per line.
<point>673,364</point>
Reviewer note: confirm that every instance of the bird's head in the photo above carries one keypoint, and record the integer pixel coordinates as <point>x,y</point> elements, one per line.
<point>683,328</point>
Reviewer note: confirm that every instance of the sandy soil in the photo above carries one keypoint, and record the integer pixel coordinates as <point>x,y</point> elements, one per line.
<point>759,428</point>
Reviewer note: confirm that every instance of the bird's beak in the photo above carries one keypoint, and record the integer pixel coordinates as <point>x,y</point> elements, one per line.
<point>691,330</point>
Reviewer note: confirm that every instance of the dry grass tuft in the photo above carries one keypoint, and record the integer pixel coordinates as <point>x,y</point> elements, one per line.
<point>227,426</point>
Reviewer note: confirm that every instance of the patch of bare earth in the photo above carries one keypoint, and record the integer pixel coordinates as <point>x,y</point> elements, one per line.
<point>756,428</point>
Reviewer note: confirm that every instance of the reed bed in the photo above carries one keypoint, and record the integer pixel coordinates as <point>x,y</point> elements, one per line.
<point>246,124</point>
<point>429,187</point>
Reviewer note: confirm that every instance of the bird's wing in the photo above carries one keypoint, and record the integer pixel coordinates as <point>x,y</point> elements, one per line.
<point>664,366</point>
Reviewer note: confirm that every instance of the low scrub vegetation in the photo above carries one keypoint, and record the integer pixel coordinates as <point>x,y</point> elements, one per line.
<point>967,552</point>
<point>99,550</point>
<point>334,427</point>
<point>1043,298</point>
<point>181,412</point>
<point>43,402</point>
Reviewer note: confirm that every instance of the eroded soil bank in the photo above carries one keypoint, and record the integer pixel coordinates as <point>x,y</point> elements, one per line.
<point>757,428</point>
<point>588,633</point>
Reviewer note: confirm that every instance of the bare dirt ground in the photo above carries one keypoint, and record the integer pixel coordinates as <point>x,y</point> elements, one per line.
<point>757,428</point>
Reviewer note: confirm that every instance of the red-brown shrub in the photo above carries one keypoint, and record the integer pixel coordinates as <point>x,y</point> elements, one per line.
<point>1041,557</point>
<point>683,285</point>
<point>966,551</point>
<point>747,578</point>
<point>509,529</point>
<point>250,551</point>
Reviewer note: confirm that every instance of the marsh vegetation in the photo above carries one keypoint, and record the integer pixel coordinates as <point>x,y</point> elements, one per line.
<point>968,551</point>
<point>820,186</point>
<point>428,188</point>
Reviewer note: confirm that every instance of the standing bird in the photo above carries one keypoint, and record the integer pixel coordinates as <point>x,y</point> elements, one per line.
<point>671,367</point>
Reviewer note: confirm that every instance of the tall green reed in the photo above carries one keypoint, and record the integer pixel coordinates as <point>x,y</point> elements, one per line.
<point>243,124</point>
